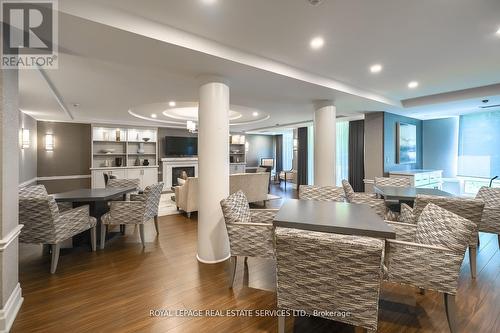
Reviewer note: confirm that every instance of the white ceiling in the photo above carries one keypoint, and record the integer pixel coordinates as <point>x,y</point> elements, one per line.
<point>111,60</point>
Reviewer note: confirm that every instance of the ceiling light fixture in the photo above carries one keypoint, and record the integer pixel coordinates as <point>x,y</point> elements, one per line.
<point>191,126</point>
<point>255,114</point>
<point>172,104</point>
<point>498,32</point>
<point>153,115</point>
<point>377,68</point>
<point>316,43</point>
<point>209,2</point>
<point>413,84</point>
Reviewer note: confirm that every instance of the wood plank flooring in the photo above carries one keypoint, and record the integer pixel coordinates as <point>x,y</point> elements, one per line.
<point>113,290</point>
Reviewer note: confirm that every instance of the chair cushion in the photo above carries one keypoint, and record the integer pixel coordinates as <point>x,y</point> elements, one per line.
<point>235,208</point>
<point>439,227</point>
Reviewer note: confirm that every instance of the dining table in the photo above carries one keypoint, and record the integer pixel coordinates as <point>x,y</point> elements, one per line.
<point>97,199</point>
<point>333,217</point>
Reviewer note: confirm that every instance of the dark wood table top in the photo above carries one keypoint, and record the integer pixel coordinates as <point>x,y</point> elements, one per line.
<point>407,193</point>
<point>334,217</point>
<point>92,194</point>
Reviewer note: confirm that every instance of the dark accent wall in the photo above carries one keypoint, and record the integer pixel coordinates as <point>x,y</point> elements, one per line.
<point>390,146</point>
<point>259,146</point>
<point>27,156</point>
<point>70,157</point>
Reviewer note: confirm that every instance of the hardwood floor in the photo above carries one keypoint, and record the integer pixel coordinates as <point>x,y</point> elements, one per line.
<point>113,290</point>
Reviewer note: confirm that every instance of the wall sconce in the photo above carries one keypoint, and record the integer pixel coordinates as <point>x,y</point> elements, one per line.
<point>295,144</point>
<point>49,142</point>
<point>26,138</point>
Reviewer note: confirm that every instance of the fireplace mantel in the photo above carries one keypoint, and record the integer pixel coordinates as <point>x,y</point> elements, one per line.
<point>175,162</point>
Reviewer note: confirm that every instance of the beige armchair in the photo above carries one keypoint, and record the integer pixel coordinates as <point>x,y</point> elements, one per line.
<point>186,196</point>
<point>254,185</point>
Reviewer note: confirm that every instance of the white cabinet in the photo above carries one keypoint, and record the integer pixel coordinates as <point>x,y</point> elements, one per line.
<point>236,168</point>
<point>147,176</point>
<point>421,178</point>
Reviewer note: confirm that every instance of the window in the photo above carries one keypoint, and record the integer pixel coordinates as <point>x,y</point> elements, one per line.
<point>287,150</point>
<point>478,145</point>
<point>342,143</point>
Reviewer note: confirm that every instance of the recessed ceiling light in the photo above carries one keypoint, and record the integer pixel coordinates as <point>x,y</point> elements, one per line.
<point>255,114</point>
<point>76,105</point>
<point>209,2</point>
<point>316,43</point>
<point>498,32</point>
<point>377,68</point>
<point>153,115</point>
<point>172,103</point>
<point>413,84</point>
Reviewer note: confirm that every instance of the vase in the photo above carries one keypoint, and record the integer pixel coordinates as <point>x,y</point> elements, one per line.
<point>137,161</point>
<point>141,148</point>
<point>118,161</point>
<point>145,162</point>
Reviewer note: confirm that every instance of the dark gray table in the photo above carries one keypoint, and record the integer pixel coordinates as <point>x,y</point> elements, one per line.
<point>333,217</point>
<point>93,195</point>
<point>407,193</point>
<point>97,199</point>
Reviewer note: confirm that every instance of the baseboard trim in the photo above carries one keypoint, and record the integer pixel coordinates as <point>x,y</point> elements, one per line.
<point>9,312</point>
<point>212,261</point>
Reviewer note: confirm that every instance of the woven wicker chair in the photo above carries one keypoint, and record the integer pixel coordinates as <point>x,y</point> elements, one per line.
<point>490,221</point>
<point>140,209</point>
<point>329,273</point>
<point>393,181</point>
<point>321,193</point>
<point>45,224</point>
<point>250,231</point>
<point>428,254</point>
<point>470,209</point>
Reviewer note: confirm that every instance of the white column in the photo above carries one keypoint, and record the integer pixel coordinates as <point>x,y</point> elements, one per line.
<point>10,290</point>
<point>324,144</point>
<point>213,170</point>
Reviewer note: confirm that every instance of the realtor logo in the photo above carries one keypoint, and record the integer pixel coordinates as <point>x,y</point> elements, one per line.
<point>29,31</point>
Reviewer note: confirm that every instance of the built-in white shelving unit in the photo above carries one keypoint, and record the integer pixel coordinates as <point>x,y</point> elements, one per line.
<point>122,151</point>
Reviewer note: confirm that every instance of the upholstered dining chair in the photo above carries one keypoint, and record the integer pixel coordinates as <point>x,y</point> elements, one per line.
<point>490,221</point>
<point>140,209</point>
<point>393,181</point>
<point>428,254</point>
<point>35,190</point>
<point>45,224</point>
<point>321,193</point>
<point>470,209</point>
<point>350,194</point>
<point>250,231</point>
<point>329,273</point>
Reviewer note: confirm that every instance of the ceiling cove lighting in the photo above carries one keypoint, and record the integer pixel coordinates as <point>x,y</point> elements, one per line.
<point>377,68</point>
<point>209,2</point>
<point>25,138</point>
<point>49,142</point>
<point>413,84</point>
<point>172,104</point>
<point>317,43</point>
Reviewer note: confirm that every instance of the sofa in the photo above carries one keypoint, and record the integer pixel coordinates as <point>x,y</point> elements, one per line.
<point>254,185</point>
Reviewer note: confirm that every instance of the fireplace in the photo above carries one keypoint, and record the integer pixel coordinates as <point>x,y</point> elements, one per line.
<point>177,172</point>
<point>182,163</point>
